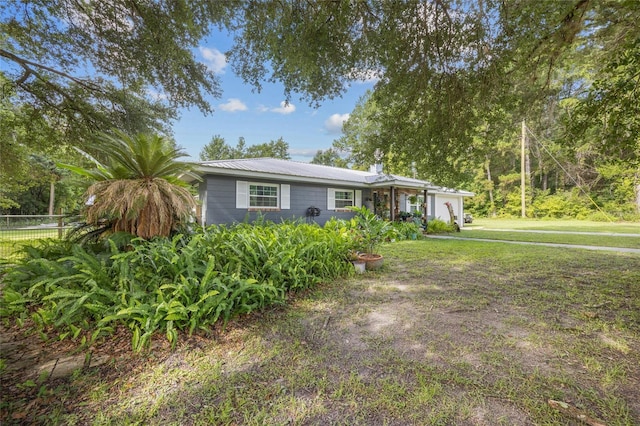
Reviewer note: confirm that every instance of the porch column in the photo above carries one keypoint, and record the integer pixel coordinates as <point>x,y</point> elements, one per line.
<point>392,204</point>
<point>425,211</point>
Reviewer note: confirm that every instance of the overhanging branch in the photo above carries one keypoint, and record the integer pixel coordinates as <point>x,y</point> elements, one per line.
<point>28,67</point>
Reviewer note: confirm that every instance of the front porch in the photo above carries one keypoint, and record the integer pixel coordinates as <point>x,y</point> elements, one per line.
<point>408,202</point>
<point>399,204</point>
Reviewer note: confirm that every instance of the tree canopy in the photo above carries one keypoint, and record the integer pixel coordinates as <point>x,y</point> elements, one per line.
<point>441,65</point>
<point>218,149</point>
<point>453,77</point>
<point>87,62</point>
<point>70,69</point>
<point>445,68</point>
<point>330,157</point>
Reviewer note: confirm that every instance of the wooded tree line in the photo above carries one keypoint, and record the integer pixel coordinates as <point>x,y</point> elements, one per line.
<point>455,79</point>
<point>560,182</point>
<point>219,149</point>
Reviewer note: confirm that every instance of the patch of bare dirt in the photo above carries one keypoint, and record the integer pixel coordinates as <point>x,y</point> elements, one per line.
<point>38,365</point>
<point>466,334</point>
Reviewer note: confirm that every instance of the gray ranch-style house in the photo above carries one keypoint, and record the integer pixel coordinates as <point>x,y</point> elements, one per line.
<point>241,190</point>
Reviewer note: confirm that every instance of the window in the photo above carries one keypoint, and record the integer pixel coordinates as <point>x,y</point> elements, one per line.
<point>417,206</point>
<point>263,195</point>
<point>255,195</point>
<point>343,199</point>
<point>338,199</point>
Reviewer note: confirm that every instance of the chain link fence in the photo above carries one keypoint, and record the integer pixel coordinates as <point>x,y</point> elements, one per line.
<point>18,230</point>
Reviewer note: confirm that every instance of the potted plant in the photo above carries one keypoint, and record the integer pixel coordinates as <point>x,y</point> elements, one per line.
<point>404,216</point>
<point>372,232</point>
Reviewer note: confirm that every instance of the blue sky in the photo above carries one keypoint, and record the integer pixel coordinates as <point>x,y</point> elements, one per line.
<point>261,117</point>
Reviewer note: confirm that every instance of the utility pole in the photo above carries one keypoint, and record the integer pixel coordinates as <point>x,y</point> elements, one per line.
<point>522,170</point>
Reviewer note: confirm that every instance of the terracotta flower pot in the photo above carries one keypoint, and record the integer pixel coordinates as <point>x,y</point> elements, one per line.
<point>372,261</point>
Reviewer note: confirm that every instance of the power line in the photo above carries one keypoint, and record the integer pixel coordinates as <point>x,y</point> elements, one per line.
<point>566,172</point>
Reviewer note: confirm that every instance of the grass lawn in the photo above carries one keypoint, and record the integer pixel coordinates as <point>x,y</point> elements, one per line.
<point>12,240</point>
<point>589,240</point>
<point>544,231</point>
<point>450,332</point>
<point>570,225</point>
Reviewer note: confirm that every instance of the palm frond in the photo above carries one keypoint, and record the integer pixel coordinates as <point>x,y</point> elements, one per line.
<point>140,191</point>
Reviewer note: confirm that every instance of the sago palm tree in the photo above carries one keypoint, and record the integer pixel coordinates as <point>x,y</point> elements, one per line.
<point>139,190</point>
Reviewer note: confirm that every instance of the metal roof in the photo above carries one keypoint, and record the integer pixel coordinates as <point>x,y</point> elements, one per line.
<point>444,191</point>
<point>294,170</point>
<point>288,168</point>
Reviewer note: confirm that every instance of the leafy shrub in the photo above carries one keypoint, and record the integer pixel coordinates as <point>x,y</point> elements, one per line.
<point>68,289</point>
<point>437,226</point>
<point>631,217</point>
<point>348,231</point>
<point>293,255</point>
<point>186,283</point>
<point>372,229</point>
<point>559,205</point>
<point>406,230</point>
<point>599,216</point>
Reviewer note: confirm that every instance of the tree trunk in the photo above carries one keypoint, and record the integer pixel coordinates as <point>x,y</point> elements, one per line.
<point>527,167</point>
<point>52,195</point>
<point>542,170</point>
<point>493,206</point>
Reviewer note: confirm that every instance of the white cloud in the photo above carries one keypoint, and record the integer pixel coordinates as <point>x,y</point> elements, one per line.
<point>233,105</point>
<point>334,123</point>
<point>303,152</point>
<point>215,60</point>
<point>285,108</point>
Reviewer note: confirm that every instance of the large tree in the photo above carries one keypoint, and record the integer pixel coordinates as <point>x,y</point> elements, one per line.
<point>273,149</point>
<point>73,67</point>
<point>216,149</point>
<point>330,157</point>
<point>70,69</point>
<point>443,66</point>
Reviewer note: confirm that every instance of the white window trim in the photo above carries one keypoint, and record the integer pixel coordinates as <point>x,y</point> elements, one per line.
<point>243,196</point>
<point>331,198</point>
<point>271,185</point>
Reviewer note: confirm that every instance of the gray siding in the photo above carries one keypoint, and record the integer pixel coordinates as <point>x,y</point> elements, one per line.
<point>221,200</point>
<point>220,195</point>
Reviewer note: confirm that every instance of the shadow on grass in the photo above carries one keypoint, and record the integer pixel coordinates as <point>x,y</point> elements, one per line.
<point>450,332</point>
